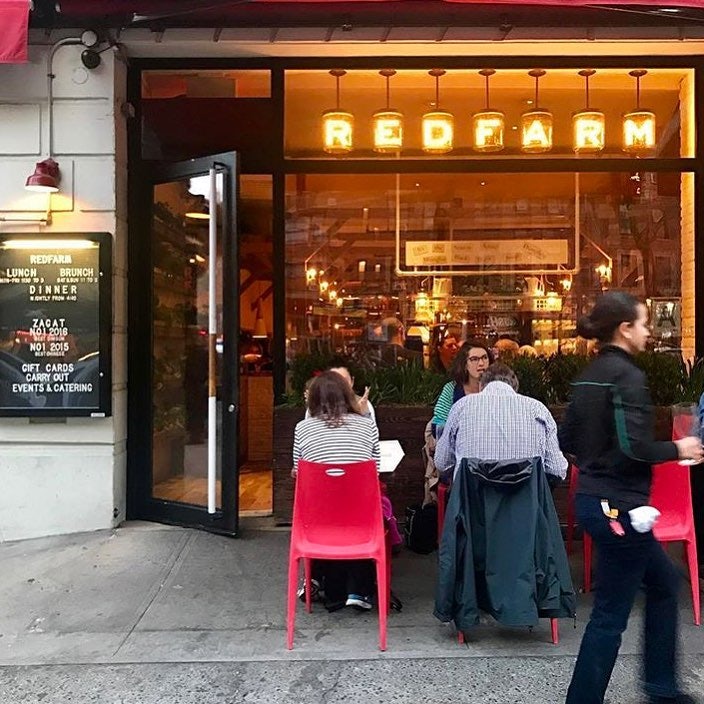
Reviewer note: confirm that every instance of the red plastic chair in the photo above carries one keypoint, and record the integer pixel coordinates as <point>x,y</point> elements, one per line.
<point>671,494</point>
<point>442,501</point>
<point>337,516</point>
<point>571,493</point>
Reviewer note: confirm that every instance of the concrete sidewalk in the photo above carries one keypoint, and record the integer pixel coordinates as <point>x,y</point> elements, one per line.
<point>148,613</point>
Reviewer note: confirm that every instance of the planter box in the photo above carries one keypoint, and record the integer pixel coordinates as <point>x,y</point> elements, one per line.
<point>407,425</point>
<point>403,423</point>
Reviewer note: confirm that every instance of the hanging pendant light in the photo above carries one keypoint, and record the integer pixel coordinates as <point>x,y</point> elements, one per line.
<point>338,125</point>
<point>536,124</point>
<point>438,125</point>
<point>638,125</point>
<point>488,124</point>
<point>588,125</point>
<point>387,123</point>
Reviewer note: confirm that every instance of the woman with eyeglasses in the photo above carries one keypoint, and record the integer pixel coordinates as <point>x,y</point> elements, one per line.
<point>469,364</point>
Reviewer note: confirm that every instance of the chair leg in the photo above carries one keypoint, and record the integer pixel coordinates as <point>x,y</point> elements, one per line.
<point>587,562</point>
<point>570,523</point>
<point>555,630</point>
<point>307,582</point>
<point>388,573</point>
<point>291,610</point>
<point>382,591</point>
<point>691,548</point>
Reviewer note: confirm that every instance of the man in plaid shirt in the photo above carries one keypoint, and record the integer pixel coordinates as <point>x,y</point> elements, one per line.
<point>500,424</point>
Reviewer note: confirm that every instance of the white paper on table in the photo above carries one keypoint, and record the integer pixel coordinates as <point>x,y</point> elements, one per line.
<point>391,454</point>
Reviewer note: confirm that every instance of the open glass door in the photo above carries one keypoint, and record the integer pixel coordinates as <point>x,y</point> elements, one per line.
<point>193,335</point>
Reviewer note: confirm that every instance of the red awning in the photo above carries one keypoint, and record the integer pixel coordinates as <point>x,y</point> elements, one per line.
<point>14,19</point>
<point>84,7</point>
<point>284,13</point>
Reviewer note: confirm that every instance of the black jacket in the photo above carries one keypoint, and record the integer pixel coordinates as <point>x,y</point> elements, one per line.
<point>501,549</point>
<point>609,429</point>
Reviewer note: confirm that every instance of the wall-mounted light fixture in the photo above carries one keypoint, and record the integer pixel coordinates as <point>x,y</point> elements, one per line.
<point>438,125</point>
<point>488,124</point>
<point>638,125</point>
<point>536,124</point>
<point>387,123</point>
<point>45,178</point>
<point>338,125</point>
<point>588,125</point>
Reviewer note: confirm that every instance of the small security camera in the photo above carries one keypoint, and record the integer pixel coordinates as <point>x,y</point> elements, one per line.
<point>90,58</point>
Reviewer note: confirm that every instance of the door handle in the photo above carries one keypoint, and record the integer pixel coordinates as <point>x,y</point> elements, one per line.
<point>231,408</point>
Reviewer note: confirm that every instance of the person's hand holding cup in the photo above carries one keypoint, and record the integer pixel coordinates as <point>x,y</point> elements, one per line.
<point>690,450</point>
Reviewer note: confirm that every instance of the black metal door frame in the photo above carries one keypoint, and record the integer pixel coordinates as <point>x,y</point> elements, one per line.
<point>141,503</point>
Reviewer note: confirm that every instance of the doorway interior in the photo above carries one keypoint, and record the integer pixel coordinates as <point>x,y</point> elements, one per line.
<point>180,343</point>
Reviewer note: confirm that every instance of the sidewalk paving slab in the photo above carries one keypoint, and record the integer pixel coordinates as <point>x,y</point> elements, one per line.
<point>149,613</point>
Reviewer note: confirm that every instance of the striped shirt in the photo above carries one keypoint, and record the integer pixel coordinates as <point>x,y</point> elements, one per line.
<point>444,403</point>
<point>356,440</point>
<point>499,424</point>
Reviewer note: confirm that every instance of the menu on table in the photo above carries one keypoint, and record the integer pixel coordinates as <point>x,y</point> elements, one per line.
<point>55,323</point>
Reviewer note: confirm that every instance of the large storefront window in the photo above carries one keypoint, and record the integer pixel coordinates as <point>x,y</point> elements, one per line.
<point>384,267</point>
<point>462,113</point>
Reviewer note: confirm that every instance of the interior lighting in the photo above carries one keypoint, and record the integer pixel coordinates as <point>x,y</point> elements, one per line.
<point>536,124</point>
<point>638,125</point>
<point>438,125</point>
<point>48,244</point>
<point>45,178</point>
<point>488,124</point>
<point>387,123</point>
<point>588,125</point>
<point>338,125</point>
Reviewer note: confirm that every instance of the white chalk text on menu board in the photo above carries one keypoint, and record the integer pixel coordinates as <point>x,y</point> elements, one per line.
<point>49,324</point>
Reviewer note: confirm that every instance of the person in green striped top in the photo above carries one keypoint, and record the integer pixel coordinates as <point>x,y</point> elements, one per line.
<point>469,364</point>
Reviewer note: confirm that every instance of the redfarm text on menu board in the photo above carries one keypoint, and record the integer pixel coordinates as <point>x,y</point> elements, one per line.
<point>55,322</point>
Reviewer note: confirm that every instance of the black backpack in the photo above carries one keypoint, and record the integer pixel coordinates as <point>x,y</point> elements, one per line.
<point>421,529</point>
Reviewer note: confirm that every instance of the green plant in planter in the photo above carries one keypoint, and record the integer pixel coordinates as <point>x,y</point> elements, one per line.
<point>666,376</point>
<point>532,377</point>
<point>561,370</point>
<point>693,384</point>
<point>408,384</point>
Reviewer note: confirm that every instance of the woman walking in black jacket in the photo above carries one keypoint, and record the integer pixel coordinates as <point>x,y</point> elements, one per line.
<point>609,428</point>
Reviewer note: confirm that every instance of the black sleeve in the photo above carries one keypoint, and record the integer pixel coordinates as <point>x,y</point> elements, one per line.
<point>634,423</point>
<point>567,432</point>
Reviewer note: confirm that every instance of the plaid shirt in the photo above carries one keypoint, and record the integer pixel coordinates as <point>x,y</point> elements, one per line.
<point>499,424</point>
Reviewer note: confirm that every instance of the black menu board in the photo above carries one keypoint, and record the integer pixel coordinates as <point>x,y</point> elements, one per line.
<point>55,324</point>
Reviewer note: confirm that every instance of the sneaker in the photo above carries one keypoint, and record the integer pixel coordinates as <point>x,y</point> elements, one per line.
<point>363,603</point>
<point>315,593</point>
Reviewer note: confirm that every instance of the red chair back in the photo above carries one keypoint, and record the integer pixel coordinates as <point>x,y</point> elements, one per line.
<point>338,504</point>
<point>671,494</point>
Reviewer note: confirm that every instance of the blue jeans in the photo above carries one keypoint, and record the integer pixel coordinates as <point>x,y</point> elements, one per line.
<point>623,564</point>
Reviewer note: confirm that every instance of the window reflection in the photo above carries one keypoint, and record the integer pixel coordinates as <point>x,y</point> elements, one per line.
<point>392,269</point>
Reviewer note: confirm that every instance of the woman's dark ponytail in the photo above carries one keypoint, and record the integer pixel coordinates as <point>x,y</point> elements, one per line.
<point>585,328</point>
<point>610,310</point>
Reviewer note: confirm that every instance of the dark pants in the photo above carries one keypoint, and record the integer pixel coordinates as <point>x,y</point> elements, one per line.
<point>342,577</point>
<point>623,564</point>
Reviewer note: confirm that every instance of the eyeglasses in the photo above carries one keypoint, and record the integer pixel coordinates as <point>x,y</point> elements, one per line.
<point>476,360</point>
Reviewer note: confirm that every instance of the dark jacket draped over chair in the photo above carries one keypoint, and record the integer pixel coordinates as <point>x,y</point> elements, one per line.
<point>501,550</point>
